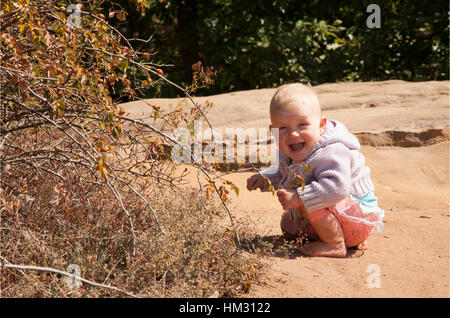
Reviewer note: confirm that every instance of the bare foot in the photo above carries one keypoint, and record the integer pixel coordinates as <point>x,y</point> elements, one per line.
<point>319,248</point>
<point>331,241</point>
<point>362,246</point>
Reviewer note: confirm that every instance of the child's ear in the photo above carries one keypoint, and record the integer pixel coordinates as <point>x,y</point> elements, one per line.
<point>323,125</point>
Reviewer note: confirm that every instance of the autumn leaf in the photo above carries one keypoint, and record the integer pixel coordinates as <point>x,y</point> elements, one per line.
<point>246,286</point>
<point>235,188</point>
<point>100,167</point>
<point>120,16</point>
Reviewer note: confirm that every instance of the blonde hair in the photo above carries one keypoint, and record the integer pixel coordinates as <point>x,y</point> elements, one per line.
<point>293,92</point>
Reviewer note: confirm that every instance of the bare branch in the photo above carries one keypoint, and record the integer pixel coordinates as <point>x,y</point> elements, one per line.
<point>73,276</point>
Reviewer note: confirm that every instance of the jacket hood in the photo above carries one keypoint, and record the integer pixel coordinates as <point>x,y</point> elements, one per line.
<point>335,132</point>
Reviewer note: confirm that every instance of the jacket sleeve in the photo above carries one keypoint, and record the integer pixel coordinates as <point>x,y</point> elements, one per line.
<point>332,178</point>
<point>274,176</point>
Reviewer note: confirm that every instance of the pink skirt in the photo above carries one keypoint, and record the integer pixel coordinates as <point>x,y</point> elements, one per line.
<point>355,230</point>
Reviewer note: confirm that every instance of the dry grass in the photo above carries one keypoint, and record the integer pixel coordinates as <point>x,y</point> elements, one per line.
<point>50,224</point>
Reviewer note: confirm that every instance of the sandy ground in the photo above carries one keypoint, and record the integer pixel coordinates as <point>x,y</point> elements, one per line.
<point>404,129</point>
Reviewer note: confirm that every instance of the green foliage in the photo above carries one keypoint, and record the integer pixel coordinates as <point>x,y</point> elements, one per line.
<point>257,44</point>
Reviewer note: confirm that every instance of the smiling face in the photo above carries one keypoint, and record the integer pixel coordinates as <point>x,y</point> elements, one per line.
<point>297,115</point>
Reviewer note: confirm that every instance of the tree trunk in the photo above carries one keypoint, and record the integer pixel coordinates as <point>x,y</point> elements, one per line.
<point>187,30</point>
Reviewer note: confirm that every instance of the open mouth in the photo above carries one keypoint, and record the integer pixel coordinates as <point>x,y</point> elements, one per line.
<point>297,147</point>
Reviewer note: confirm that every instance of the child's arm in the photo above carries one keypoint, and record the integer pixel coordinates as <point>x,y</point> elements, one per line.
<point>259,180</point>
<point>256,181</point>
<point>290,199</point>
<point>274,176</point>
<point>332,174</point>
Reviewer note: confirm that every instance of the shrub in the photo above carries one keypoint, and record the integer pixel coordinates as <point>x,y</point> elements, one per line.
<point>83,183</point>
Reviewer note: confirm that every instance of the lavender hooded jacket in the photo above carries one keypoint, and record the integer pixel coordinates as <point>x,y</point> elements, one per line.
<point>337,170</point>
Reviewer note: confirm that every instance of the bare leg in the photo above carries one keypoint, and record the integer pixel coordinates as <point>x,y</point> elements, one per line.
<point>331,243</point>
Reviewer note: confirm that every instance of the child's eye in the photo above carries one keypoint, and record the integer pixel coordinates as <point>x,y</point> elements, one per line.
<point>282,128</point>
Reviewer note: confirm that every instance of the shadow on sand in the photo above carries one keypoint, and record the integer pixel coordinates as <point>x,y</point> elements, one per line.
<point>279,246</point>
<point>272,245</point>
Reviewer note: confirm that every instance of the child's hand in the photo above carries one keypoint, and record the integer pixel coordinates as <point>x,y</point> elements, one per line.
<point>254,182</point>
<point>289,199</point>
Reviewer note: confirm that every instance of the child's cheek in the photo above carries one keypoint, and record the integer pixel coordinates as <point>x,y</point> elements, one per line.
<point>282,144</point>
